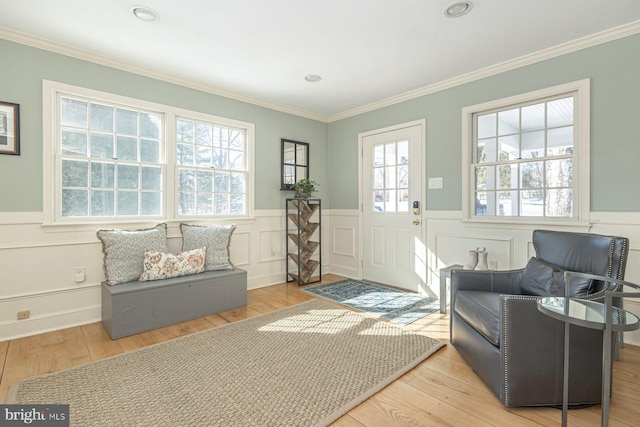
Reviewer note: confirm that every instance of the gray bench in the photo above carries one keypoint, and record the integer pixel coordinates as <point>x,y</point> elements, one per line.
<point>133,307</point>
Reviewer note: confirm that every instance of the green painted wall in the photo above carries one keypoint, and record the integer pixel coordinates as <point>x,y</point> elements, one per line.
<point>615,125</point>
<point>21,74</point>
<point>614,70</point>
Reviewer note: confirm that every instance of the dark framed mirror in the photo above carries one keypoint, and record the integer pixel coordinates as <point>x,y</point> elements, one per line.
<point>295,163</point>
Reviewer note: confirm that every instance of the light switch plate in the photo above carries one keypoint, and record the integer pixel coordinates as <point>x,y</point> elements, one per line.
<point>435,183</point>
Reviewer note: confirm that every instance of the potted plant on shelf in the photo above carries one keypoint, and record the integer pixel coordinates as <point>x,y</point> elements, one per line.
<point>305,188</point>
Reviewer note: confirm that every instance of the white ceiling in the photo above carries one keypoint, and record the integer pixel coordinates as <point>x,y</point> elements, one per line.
<point>365,50</point>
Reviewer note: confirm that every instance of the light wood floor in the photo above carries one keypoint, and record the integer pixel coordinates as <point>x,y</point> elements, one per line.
<point>442,391</point>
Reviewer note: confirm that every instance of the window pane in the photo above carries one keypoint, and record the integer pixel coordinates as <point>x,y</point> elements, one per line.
<point>203,156</point>
<point>102,145</point>
<point>403,152</point>
<point>222,204</point>
<point>560,141</point>
<point>127,122</point>
<point>378,156</point>
<point>75,173</point>
<point>560,112</point>
<point>531,175</point>
<point>487,150</point>
<point>204,134</point>
<point>205,204</point>
<point>509,122</point>
<point>532,203</point>
<point>481,203</point>
<point>75,203</point>
<point>507,203</point>
<point>127,148</point>
<point>73,113</point>
<point>236,141</point>
<point>186,180</point>
<point>149,151</point>
<point>390,154</point>
<point>236,161</point>
<point>390,177</point>
<point>150,125</point>
<point>560,203</point>
<point>238,183</point>
<point>485,178</point>
<point>186,154</point>
<point>507,177</point>
<point>221,158</point>
<point>237,204</point>
<point>378,178</point>
<point>151,203</point>
<point>103,175</point>
<point>102,117</point>
<point>73,142</point>
<point>102,203</point>
<point>129,177</point>
<point>378,204</point>
<point>205,181</point>
<point>403,200</point>
<point>184,130</point>
<point>403,176</point>
<point>533,117</point>
<point>187,203</point>
<point>559,173</point>
<point>533,145</point>
<point>151,178</point>
<point>509,148</point>
<point>390,200</point>
<point>127,203</point>
<point>220,137</point>
<point>486,125</point>
<point>222,181</point>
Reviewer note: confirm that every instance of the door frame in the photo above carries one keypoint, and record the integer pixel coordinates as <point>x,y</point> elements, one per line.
<point>423,137</point>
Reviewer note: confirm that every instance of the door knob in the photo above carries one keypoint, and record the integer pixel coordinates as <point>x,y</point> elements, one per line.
<point>416,222</point>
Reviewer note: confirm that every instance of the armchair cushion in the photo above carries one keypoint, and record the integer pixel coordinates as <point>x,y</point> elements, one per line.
<point>544,279</point>
<point>481,310</point>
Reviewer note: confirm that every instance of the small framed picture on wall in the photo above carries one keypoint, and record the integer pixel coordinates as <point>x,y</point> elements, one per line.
<point>9,128</point>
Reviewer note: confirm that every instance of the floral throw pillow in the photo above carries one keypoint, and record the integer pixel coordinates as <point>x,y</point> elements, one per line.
<point>163,265</point>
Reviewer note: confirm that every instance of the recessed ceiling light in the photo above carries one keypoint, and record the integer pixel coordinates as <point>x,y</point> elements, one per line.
<point>458,9</point>
<point>144,13</point>
<point>312,78</point>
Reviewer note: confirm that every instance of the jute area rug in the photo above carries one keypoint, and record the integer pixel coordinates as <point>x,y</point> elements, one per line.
<point>388,303</point>
<point>304,365</point>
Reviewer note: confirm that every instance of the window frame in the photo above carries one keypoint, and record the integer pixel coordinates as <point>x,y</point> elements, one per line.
<point>51,170</point>
<point>581,183</point>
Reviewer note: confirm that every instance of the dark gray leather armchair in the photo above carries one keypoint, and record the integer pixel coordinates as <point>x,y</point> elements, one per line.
<point>517,350</point>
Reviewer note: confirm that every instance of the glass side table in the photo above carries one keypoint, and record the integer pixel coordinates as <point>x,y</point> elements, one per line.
<point>588,314</point>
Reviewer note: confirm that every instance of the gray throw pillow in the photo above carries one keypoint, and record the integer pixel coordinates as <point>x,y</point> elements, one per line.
<point>124,251</point>
<point>544,279</point>
<point>216,238</point>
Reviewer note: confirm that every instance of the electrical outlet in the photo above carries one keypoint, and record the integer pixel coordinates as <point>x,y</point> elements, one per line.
<point>24,314</point>
<point>79,274</point>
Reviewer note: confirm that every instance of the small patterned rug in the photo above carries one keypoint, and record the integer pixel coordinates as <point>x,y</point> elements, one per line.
<point>387,303</point>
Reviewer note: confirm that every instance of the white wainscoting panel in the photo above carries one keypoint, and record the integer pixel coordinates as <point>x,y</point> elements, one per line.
<point>342,246</point>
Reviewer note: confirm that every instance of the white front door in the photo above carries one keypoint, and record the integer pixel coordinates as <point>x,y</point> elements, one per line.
<point>391,172</point>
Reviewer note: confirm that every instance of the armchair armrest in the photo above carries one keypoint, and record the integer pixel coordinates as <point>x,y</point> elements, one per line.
<point>504,281</point>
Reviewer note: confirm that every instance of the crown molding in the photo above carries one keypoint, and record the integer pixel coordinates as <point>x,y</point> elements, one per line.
<point>542,55</point>
<point>62,49</point>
